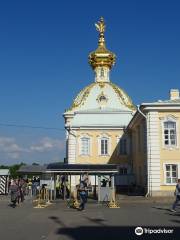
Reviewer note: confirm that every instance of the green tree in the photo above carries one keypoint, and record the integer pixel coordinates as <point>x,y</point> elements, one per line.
<point>13,170</point>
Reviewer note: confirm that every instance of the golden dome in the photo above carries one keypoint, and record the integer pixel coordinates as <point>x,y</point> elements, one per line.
<point>101,56</point>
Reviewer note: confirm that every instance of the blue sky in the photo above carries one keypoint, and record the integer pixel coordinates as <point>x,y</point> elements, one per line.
<point>44,46</point>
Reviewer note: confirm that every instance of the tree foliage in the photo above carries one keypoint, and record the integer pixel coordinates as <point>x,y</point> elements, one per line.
<point>13,169</point>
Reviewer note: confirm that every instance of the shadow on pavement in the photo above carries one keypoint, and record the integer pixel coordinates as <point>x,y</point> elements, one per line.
<point>12,205</point>
<point>160,208</point>
<point>99,221</point>
<point>103,232</point>
<point>108,232</point>
<point>176,221</point>
<point>95,232</point>
<point>57,220</point>
<point>175,214</point>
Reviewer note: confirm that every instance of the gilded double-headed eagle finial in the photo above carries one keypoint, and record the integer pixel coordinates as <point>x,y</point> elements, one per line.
<point>100,26</point>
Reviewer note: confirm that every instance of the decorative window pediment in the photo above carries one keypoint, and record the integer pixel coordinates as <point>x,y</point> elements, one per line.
<point>104,135</point>
<point>169,118</point>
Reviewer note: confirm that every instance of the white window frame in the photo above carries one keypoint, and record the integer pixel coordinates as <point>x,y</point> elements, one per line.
<point>106,137</point>
<point>105,144</point>
<point>171,119</point>
<point>168,134</point>
<point>80,146</point>
<point>164,171</point>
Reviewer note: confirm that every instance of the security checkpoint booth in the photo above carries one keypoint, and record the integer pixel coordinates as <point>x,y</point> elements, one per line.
<point>101,178</point>
<point>4,180</point>
<point>102,184</point>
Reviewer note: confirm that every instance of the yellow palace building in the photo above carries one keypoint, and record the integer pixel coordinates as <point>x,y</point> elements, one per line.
<point>104,126</point>
<point>155,150</point>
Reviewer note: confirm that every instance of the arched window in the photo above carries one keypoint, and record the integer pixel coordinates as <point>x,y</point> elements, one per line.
<point>170,138</point>
<point>85,146</point>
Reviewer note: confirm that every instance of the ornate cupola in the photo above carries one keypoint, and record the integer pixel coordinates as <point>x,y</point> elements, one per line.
<point>101,60</point>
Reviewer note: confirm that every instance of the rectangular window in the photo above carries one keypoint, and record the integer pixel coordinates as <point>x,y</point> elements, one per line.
<point>104,146</point>
<point>169,133</point>
<point>171,173</point>
<point>123,146</point>
<point>85,146</point>
<point>123,171</point>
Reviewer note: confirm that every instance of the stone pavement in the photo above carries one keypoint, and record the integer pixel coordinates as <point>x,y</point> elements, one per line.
<point>57,222</point>
<point>140,199</point>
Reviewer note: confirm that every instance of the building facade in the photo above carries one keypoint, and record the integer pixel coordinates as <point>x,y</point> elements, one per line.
<point>155,135</point>
<point>103,126</point>
<point>96,121</point>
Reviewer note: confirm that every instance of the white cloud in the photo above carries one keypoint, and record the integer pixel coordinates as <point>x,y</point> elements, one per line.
<point>10,147</point>
<point>47,144</point>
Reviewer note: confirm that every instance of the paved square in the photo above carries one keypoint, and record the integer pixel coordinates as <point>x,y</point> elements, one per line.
<point>57,222</point>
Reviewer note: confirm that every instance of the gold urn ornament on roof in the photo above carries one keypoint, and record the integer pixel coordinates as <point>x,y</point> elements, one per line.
<point>101,57</point>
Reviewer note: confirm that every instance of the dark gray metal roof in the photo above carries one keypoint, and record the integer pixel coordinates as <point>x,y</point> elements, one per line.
<point>69,168</point>
<point>80,168</point>
<point>32,169</point>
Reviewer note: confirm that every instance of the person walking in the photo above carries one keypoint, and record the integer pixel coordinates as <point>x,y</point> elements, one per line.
<point>177,194</point>
<point>83,195</point>
<point>22,189</point>
<point>14,191</point>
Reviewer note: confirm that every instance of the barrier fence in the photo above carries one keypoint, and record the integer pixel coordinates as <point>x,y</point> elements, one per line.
<point>43,198</point>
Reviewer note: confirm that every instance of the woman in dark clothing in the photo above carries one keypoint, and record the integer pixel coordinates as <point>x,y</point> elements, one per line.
<point>14,190</point>
<point>83,195</point>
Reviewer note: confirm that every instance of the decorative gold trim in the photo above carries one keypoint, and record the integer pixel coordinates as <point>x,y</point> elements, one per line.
<point>121,93</point>
<point>81,97</point>
<point>101,84</point>
<point>84,93</point>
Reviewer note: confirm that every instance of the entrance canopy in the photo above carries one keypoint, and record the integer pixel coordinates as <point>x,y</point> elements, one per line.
<point>73,169</point>
<point>96,170</point>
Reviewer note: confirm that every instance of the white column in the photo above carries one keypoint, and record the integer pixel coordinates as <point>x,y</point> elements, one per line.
<point>113,189</point>
<point>72,154</point>
<point>99,188</point>
<point>153,156</point>
<point>71,148</point>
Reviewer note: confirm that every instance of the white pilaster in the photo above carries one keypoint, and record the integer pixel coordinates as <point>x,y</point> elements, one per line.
<point>153,156</point>
<point>72,154</point>
<point>72,148</point>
